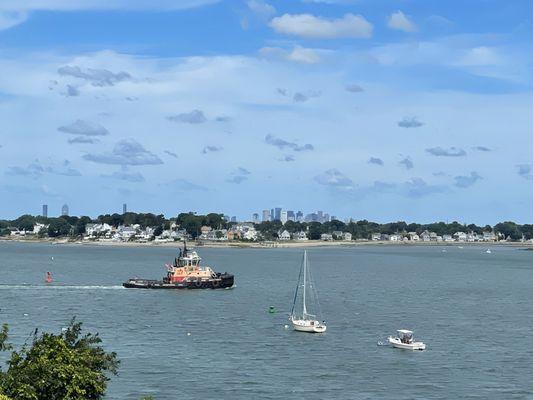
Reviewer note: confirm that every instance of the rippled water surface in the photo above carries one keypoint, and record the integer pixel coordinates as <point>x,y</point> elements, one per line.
<point>474,310</point>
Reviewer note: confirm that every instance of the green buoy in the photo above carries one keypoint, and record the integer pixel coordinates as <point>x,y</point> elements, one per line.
<point>272,310</point>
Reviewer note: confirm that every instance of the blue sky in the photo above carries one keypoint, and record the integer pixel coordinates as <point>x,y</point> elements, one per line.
<point>387,110</point>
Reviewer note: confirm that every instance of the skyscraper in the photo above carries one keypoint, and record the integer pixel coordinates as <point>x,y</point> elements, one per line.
<point>45,210</point>
<point>124,208</point>
<point>266,215</point>
<point>277,214</point>
<point>283,217</point>
<point>255,218</point>
<point>64,210</point>
<point>291,216</point>
<point>299,216</point>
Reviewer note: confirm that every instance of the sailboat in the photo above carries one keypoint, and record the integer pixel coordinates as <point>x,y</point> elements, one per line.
<point>305,321</point>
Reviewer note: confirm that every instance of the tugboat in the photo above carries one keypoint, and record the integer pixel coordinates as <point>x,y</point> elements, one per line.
<point>185,273</point>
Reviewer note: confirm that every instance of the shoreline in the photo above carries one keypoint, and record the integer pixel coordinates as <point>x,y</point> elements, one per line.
<point>271,245</point>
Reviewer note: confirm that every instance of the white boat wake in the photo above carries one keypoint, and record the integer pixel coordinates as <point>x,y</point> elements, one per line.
<point>59,287</point>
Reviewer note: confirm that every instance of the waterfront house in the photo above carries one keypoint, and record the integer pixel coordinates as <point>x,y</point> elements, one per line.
<point>347,236</point>
<point>376,236</point>
<point>337,235</point>
<point>413,236</point>
<point>300,236</point>
<point>395,238</point>
<point>326,237</point>
<point>285,235</point>
<point>489,237</point>
<point>460,236</point>
<point>447,238</point>
<point>37,228</point>
<point>204,230</point>
<point>425,236</point>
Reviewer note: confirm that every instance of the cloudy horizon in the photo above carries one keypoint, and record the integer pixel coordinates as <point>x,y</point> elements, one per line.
<point>378,110</point>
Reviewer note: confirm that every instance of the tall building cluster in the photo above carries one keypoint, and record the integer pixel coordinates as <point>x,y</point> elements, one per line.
<point>279,214</point>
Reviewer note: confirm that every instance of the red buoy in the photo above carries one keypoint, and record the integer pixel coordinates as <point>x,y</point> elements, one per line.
<point>48,278</point>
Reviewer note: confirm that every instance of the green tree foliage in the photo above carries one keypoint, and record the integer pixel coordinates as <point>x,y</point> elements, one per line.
<point>509,230</point>
<point>58,227</point>
<point>57,367</point>
<point>24,222</point>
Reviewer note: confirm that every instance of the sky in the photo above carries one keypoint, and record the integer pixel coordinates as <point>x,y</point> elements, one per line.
<point>416,110</point>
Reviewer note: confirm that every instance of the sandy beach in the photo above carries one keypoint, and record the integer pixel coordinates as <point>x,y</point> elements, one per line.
<point>263,245</point>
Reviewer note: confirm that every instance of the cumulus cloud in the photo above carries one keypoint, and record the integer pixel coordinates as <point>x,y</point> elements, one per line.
<point>33,170</point>
<point>481,148</point>
<point>525,171</point>
<point>125,152</point>
<point>11,18</point>
<point>401,22</point>
<point>410,122</point>
<point>287,158</point>
<point>183,185</point>
<point>223,118</point>
<point>211,149</point>
<point>449,152</point>
<point>333,178</point>
<point>85,128</point>
<point>376,161</point>
<point>193,117</point>
<point>282,91</point>
<point>310,26</point>
<point>407,163</point>
<point>354,88</point>
<point>417,187</point>
<point>96,77</point>
<point>300,97</point>
<point>297,54</point>
<point>171,154</point>
<point>468,180</point>
<point>284,144</point>
<point>126,176</point>
<point>71,91</point>
<point>83,140</point>
<point>239,175</point>
<point>261,8</point>
<point>37,169</point>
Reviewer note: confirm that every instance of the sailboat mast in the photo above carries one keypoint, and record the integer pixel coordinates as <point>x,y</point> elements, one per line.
<point>305,282</point>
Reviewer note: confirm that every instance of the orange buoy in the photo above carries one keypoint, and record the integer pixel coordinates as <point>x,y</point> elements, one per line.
<point>48,278</point>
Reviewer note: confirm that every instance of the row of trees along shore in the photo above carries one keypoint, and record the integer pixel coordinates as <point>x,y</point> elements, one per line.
<point>71,226</point>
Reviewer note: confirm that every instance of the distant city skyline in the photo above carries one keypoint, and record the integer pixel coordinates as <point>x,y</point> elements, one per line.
<point>384,110</point>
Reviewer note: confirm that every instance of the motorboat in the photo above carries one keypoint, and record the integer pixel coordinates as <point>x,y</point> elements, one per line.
<point>306,321</point>
<point>405,340</point>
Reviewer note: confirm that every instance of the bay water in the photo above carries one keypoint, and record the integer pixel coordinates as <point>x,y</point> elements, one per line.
<point>472,309</point>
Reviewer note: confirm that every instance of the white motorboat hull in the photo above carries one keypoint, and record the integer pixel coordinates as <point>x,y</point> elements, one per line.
<point>397,343</point>
<point>308,326</point>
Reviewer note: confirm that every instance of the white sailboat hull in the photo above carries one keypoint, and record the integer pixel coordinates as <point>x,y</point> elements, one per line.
<point>397,343</point>
<point>311,326</point>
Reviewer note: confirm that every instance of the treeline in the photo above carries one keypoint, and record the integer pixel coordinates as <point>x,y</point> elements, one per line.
<point>192,223</point>
<point>364,229</point>
<point>75,226</point>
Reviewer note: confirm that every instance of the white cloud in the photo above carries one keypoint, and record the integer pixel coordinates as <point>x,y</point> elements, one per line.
<point>261,8</point>
<point>401,22</point>
<point>15,12</point>
<point>298,54</point>
<point>73,5</point>
<point>480,56</point>
<point>310,26</point>
<point>303,55</point>
<point>9,19</point>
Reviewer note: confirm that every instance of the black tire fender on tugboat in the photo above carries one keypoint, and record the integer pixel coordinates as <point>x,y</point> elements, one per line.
<point>198,284</point>
<point>216,284</point>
